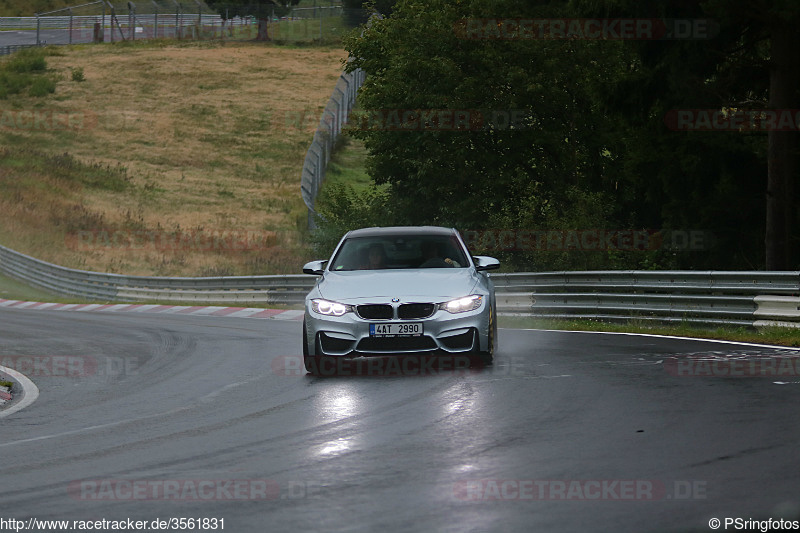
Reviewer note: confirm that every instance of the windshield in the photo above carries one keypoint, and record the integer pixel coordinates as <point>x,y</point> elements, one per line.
<point>400,251</point>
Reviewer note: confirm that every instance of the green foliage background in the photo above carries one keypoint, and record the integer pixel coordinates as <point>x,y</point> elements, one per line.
<point>594,151</point>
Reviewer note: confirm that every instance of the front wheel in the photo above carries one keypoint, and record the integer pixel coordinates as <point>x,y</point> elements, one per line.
<point>488,356</point>
<point>309,360</point>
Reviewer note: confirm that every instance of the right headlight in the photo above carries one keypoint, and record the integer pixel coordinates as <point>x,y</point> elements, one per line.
<point>462,305</point>
<point>326,307</point>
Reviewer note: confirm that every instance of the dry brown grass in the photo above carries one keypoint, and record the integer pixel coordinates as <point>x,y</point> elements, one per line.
<point>202,132</point>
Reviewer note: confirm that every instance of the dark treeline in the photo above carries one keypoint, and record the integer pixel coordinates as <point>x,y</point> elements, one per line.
<point>252,8</point>
<point>584,116</point>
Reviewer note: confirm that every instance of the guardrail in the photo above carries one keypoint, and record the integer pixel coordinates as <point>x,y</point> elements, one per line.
<point>121,288</point>
<point>11,48</point>
<point>709,297</point>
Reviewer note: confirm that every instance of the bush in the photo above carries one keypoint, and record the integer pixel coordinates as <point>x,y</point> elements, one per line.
<point>13,83</point>
<point>340,208</point>
<point>27,60</point>
<point>42,87</point>
<point>26,69</point>
<point>77,74</point>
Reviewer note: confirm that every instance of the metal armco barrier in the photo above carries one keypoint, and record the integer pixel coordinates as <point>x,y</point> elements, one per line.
<point>702,297</point>
<point>11,48</point>
<point>120,288</point>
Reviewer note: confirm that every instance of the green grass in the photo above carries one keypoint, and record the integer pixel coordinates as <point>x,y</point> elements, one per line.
<point>12,289</point>
<point>784,336</point>
<point>26,70</point>
<point>347,164</point>
<point>325,30</point>
<point>28,8</point>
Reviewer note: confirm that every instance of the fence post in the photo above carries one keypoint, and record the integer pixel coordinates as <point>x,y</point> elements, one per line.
<point>155,30</point>
<point>70,26</point>
<point>177,19</point>
<point>132,20</point>
<point>38,28</point>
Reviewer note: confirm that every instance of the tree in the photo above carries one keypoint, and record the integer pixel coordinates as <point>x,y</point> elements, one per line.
<point>256,8</point>
<point>751,63</point>
<point>594,144</point>
<point>530,120</point>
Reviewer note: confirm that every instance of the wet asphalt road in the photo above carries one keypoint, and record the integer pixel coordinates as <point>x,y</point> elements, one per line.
<point>144,417</point>
<point>62,36</point>
<point>14,37</point>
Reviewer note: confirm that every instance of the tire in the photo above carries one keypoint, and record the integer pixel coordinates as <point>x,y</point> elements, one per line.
<point>488,356</point>
<point>310,361</point>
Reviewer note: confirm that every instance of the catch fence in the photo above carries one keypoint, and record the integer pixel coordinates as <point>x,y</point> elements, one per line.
<point>103,21</point>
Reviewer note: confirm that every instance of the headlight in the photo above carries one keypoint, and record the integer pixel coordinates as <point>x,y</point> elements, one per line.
<point>325,307</point>
<point>462,305</point>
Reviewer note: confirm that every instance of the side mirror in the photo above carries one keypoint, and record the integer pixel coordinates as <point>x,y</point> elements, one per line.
<point>483,262</point>
<point>315,268</point>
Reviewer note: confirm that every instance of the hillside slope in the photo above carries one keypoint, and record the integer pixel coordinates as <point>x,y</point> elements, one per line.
<point>165,160</point>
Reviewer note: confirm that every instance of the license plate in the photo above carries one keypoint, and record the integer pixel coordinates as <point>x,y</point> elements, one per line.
<point>413,329</point>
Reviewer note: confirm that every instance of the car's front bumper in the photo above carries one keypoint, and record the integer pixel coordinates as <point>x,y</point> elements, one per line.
<point>444,332</point>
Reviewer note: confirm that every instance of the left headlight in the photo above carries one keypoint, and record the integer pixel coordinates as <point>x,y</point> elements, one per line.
<point>326,307</point>
<point>462,305</point>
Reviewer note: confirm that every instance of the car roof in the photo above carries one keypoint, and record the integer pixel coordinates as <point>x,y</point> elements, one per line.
<point>400,230</point>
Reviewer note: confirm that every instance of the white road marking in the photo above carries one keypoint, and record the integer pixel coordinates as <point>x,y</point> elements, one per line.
<point>29,391</point>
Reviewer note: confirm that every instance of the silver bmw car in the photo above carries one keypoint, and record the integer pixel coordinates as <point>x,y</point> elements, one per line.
<point>400,290</point>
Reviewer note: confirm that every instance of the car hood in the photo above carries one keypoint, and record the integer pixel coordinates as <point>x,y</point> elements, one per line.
<point>432,284</point>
